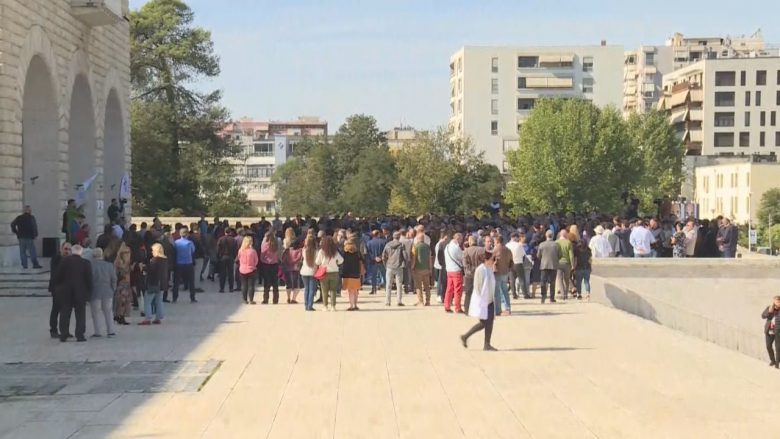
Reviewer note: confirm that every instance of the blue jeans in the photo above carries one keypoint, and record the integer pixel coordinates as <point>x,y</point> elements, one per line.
<point>580,277</point>
<point>309,290</point>
<point>502,293</point>
<point>153,295</point>
<point>376,275</point>
<point>27,245</point>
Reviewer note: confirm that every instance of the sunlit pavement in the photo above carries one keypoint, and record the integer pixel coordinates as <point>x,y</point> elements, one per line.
<point>565,370</point>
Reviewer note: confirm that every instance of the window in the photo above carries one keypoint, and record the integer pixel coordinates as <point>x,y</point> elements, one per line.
<point>724,139</point>
<point>525,104</point>
<point>649,58</point>
<point>761,138</point>
<point>778,97</point>
<point>725,79</point>
<point>525,62</point>
<point>744,139</point>
<point>742,78</point>
<point>747,99</point>
<point>521,82</point>
<point>259,171</point>
<point>762,118</point>
<point>758,98</point>
<point>777,138</point>
<point>494,65</point>
<point>724,119</point>
<point>761,77</point>
<point>773,118</point>
<point>724,98</point>
<point>587,85</point>
<point>460,86</point>
<point>494,86</point>
<point>494,106</point>
<point>587,64</point>
<point>778,77</point>
<point>494,128</point>
<point>263,149</point>
<point>747,118</point>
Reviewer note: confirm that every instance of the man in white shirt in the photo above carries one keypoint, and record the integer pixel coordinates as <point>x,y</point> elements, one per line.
<point>691,235</point>
<point>453,261</point>
<point>641,240</point>
<point>599,245</point>
<point>518,271</point>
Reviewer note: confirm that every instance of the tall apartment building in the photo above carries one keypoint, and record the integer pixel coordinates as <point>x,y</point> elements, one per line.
<point>494,89</point>
<point>726,106</point>
<point>267,145</point>
<point>644,68</point>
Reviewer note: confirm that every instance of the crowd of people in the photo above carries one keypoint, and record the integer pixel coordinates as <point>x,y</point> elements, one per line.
<point>475,265</point>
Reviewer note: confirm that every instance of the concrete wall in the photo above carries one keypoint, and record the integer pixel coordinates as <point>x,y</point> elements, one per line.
<point>717,300</point>
<point>42,42</point>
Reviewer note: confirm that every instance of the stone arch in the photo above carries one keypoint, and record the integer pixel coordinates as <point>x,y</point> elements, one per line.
<point>82,147</point>
<point>114,152</point>
<point>39,114</point>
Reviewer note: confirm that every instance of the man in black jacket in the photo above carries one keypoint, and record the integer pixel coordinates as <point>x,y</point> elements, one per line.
<point>73,286</point>
<point>772,316</point>
<point>26,230</point>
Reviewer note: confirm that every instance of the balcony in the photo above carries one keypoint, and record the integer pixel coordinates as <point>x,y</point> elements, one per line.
<point>96,13</point>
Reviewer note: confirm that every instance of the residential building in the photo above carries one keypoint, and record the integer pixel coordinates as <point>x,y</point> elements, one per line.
<point>494,89</point>
<point>726,106</point>
<point>733,187</point>
<point>644,68</point>
<point>64,112</point>
<point>399,137</point>
<point>268,145</point>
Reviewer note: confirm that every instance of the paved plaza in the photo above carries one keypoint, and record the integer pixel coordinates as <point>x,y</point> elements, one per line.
<point>221,369</point>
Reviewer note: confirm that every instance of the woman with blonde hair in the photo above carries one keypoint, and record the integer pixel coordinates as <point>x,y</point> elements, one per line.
<point>124,293</point>
<point>308,268</point>
<point>247,267</point>
<point>331,259</point>
<point>156,282</point>
<point>352,272</point>
<point>269,266</point>
<point>573,233</point>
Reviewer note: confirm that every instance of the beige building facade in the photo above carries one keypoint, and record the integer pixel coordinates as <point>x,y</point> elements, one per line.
<point>494,89</point>
<point>733,188</point>
<point>267,145</point>
<point>64,94</point>
<point>726,107</point>
<point>644,68</point>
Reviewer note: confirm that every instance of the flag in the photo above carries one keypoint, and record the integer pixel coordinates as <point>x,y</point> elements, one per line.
<point>124,187</point>
<point>83,190</point>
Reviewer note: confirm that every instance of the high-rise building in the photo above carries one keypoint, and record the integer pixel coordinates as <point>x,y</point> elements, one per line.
<point>266,146</point>
<point>494,89</point>
<point>725,106</point>
<point>644,68</point>
<point>399,137</point>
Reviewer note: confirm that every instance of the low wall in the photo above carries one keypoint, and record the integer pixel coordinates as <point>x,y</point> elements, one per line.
<point>717,300</point>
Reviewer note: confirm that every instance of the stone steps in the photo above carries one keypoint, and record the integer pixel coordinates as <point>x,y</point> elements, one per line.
<point>18,282</point>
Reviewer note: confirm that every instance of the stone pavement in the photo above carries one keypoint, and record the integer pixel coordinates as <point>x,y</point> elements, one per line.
<point>565,370</point>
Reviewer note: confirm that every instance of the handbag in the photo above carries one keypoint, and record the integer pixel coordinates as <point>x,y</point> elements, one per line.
<point>321,272</point>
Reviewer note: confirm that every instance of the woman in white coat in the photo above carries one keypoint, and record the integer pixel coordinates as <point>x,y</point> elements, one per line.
<point>481,305</point>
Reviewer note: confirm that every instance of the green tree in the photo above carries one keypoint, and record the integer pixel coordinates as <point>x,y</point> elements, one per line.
<point>572,156</point>
<point>442,174</point>
<point>661,155</point>
<point>178,160</point>
<point>770,205</point>
<point>354,172</point>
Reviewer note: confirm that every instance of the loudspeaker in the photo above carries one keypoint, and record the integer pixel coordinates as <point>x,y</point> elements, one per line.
<point>50,247</point>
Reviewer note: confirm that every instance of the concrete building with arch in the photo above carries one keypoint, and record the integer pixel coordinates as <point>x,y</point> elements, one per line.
<point>64,116</point>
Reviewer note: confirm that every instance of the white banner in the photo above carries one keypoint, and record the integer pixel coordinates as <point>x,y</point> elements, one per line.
<point>83,190</point>
<point>124,187</point>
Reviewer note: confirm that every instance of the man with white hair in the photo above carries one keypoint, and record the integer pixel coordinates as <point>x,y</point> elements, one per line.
<point>599,245</point>
<point>73,285</point>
